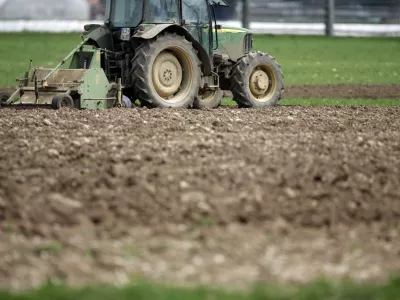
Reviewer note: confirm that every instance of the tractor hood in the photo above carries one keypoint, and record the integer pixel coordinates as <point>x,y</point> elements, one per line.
<point>234,42</point>
<point>229,29</point>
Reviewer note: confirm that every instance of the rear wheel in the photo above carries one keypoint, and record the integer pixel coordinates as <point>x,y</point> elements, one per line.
<point>62,101</point>
<point>208,99</point>
<point>166,72</point>
<point>257,81</point>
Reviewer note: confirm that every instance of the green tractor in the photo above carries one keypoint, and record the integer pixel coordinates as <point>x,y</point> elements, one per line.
<point>164,53</point>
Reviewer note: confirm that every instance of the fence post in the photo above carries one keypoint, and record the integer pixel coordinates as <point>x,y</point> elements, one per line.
<point>330,17</point>
<point>246,14</point>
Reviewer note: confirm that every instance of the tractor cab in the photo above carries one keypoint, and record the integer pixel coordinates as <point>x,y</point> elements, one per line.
<point>130,18</point>
<point>172,53</point>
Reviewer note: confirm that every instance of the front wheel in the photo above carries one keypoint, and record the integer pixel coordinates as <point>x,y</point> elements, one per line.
<point>257,81</point>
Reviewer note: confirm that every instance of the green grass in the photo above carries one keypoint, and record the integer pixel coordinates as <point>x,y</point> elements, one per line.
<point>50,248</point>
<point>314,291</point>
<point>340,102</point>
<point>305,59</point>
<point>329,102</point>
<point>322,60</point>
<point>45,49</point>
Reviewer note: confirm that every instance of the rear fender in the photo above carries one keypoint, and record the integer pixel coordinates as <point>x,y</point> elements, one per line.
<point>100,37</point>
<point>152,30</point>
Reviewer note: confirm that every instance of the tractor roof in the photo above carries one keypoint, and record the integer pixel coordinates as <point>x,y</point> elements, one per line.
<point>218,2</point>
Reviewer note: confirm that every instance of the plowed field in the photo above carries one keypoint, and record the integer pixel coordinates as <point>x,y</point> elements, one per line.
<point>366,91</point>
<point>228,197</point>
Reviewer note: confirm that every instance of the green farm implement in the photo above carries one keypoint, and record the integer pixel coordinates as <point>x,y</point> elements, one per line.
<point>83,84</point>
<point>163,53</point>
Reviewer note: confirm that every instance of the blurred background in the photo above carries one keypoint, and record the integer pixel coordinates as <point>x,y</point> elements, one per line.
<point>346,11</point>
<point>312,15</point>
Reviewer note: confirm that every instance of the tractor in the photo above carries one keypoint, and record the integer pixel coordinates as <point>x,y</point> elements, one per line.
<point>163,53</point>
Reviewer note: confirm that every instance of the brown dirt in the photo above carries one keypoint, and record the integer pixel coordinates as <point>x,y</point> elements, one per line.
<point>360,91</point>
<point>344,91</point>
<point>6,90</point>
<point>185,196</point>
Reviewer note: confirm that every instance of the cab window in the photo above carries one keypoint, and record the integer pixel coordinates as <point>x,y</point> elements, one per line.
<point>162,11</point>
<point>195,11</point>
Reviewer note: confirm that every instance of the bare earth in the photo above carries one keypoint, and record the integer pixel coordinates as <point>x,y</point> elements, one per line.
<point>356,91</point>
<point>366,91</point>
<point>226,197</point>
<point>344,91</point>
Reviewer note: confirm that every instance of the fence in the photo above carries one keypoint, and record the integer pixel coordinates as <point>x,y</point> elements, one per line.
<point>314,11</point>
<point>321,12</point>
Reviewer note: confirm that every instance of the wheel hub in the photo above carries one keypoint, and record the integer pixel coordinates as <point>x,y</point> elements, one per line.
<point>64,103</point>
<point>259,82</point>
<point>167,74</point>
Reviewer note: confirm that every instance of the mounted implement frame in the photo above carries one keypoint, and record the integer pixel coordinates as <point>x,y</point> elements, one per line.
<point>78,81</point>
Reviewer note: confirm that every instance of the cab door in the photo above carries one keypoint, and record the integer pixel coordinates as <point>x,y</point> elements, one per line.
<point>196,16</point>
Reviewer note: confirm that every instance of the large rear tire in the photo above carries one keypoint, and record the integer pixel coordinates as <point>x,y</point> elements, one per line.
<point>166,72</point>
<point>257,81</point>
<point>208,99</point>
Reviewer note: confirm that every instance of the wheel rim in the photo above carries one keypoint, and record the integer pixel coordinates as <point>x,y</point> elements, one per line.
<point>205,95</point>
<point>172,75</point>
<point>208,95</point>
<point>262,83</point>
<point>64,103</point>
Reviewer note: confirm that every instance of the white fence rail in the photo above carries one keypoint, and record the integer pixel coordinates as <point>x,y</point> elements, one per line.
<point>257,27</point>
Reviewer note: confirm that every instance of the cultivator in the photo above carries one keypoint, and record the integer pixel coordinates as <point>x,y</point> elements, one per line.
<point>77,82</point>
